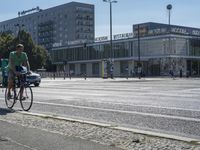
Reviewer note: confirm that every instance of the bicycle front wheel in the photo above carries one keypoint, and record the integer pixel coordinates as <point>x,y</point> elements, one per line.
<point>26,98</point>
<point>10,98</point>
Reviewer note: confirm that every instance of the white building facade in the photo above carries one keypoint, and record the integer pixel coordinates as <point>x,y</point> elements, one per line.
<point>160,50</point>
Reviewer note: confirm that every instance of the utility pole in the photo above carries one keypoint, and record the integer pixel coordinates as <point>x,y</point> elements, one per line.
<point>111,43</point>
<point>139,61</point>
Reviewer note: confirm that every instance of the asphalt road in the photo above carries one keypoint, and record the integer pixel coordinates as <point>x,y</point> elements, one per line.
<point>157,104</point>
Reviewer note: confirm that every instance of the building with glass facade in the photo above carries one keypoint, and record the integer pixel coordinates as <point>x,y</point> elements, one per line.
<point>159,48</point>
<point>58,26</point>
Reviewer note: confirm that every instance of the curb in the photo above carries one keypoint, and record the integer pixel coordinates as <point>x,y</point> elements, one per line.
<point>115,127</point>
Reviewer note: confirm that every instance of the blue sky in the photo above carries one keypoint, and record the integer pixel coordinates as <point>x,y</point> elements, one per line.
<point>125,12</point>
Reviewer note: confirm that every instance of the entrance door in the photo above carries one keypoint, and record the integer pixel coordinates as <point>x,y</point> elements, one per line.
<point>189,67</point>
<point>155,70</point>
<point>72,69</point>
<point>193,67</point>
<point>83,69</point>
<point>95,69</point>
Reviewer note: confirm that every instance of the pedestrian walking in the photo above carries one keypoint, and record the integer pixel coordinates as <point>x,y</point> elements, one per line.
<point>181,73</point>
<point>139,72</point>
<point>171,73</point>
<point>111,71</point>
<point>126,69</point>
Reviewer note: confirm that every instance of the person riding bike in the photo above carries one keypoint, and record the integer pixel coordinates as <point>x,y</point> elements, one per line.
<point>17,59</point>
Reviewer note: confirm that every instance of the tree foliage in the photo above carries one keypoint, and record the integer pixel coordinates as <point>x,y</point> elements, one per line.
<point>37,54</point>
<point>6,43</point>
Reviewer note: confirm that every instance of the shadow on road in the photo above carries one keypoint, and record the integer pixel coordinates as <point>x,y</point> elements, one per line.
<point>4,111</point>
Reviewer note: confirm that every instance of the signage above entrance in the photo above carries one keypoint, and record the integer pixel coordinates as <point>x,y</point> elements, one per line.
<point>149,29</point>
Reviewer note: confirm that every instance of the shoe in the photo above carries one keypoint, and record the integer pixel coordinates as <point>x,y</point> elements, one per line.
<point>9,96</point>
<point>23,98</point>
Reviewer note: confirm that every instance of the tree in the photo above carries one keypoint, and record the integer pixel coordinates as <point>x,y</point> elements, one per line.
<point>38,57</point>
<point>37,54</point>
<point>6,44</point>
<point>49,66</point>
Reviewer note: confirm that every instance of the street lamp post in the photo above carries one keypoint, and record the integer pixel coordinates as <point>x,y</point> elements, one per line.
<point>139,60</point>
<point>169,8</point>
<point>111,45</point>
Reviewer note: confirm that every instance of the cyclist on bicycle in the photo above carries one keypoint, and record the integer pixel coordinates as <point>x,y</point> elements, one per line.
<point>17,59</point>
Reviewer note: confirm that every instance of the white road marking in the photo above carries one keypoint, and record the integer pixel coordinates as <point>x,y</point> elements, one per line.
<point>117,103</point>
<point>20,144</point>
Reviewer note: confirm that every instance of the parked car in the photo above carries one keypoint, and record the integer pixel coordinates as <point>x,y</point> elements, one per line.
<point>34,78</point>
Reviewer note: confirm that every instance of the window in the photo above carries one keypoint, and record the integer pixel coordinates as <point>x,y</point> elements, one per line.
<point>194,47</point>
<point>123,67</point>
<point>83,69</point>
<point>95,68</point>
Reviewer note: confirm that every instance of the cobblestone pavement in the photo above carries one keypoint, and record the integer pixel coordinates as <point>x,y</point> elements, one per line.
<point>118,138</point>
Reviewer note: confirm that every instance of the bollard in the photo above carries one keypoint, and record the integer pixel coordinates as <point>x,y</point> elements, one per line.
<point>54,75</point>
<point>85,76</point>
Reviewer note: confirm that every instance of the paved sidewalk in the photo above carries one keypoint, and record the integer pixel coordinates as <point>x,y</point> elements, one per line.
<point>16,137</point>
<point>29,132</point>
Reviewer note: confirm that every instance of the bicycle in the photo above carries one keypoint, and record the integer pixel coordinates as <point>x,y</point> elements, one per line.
<point>21,91</point>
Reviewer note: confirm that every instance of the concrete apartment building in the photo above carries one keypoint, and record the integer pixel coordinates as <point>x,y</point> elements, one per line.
<point>62,25</point>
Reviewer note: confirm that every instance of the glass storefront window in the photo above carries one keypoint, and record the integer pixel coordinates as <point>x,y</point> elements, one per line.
<point>194,68</point>
<point>95,68</point>
<point>126,48</point>
<point>123,67</point>
<point>83,69</point>
<point>194,47</point>
<point>121,49</point>
<point>106,51</point>
<point>72,69</point>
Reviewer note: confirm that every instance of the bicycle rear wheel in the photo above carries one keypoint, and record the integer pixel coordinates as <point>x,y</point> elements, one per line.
<point>10,98</point>
<point>26,98</point>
